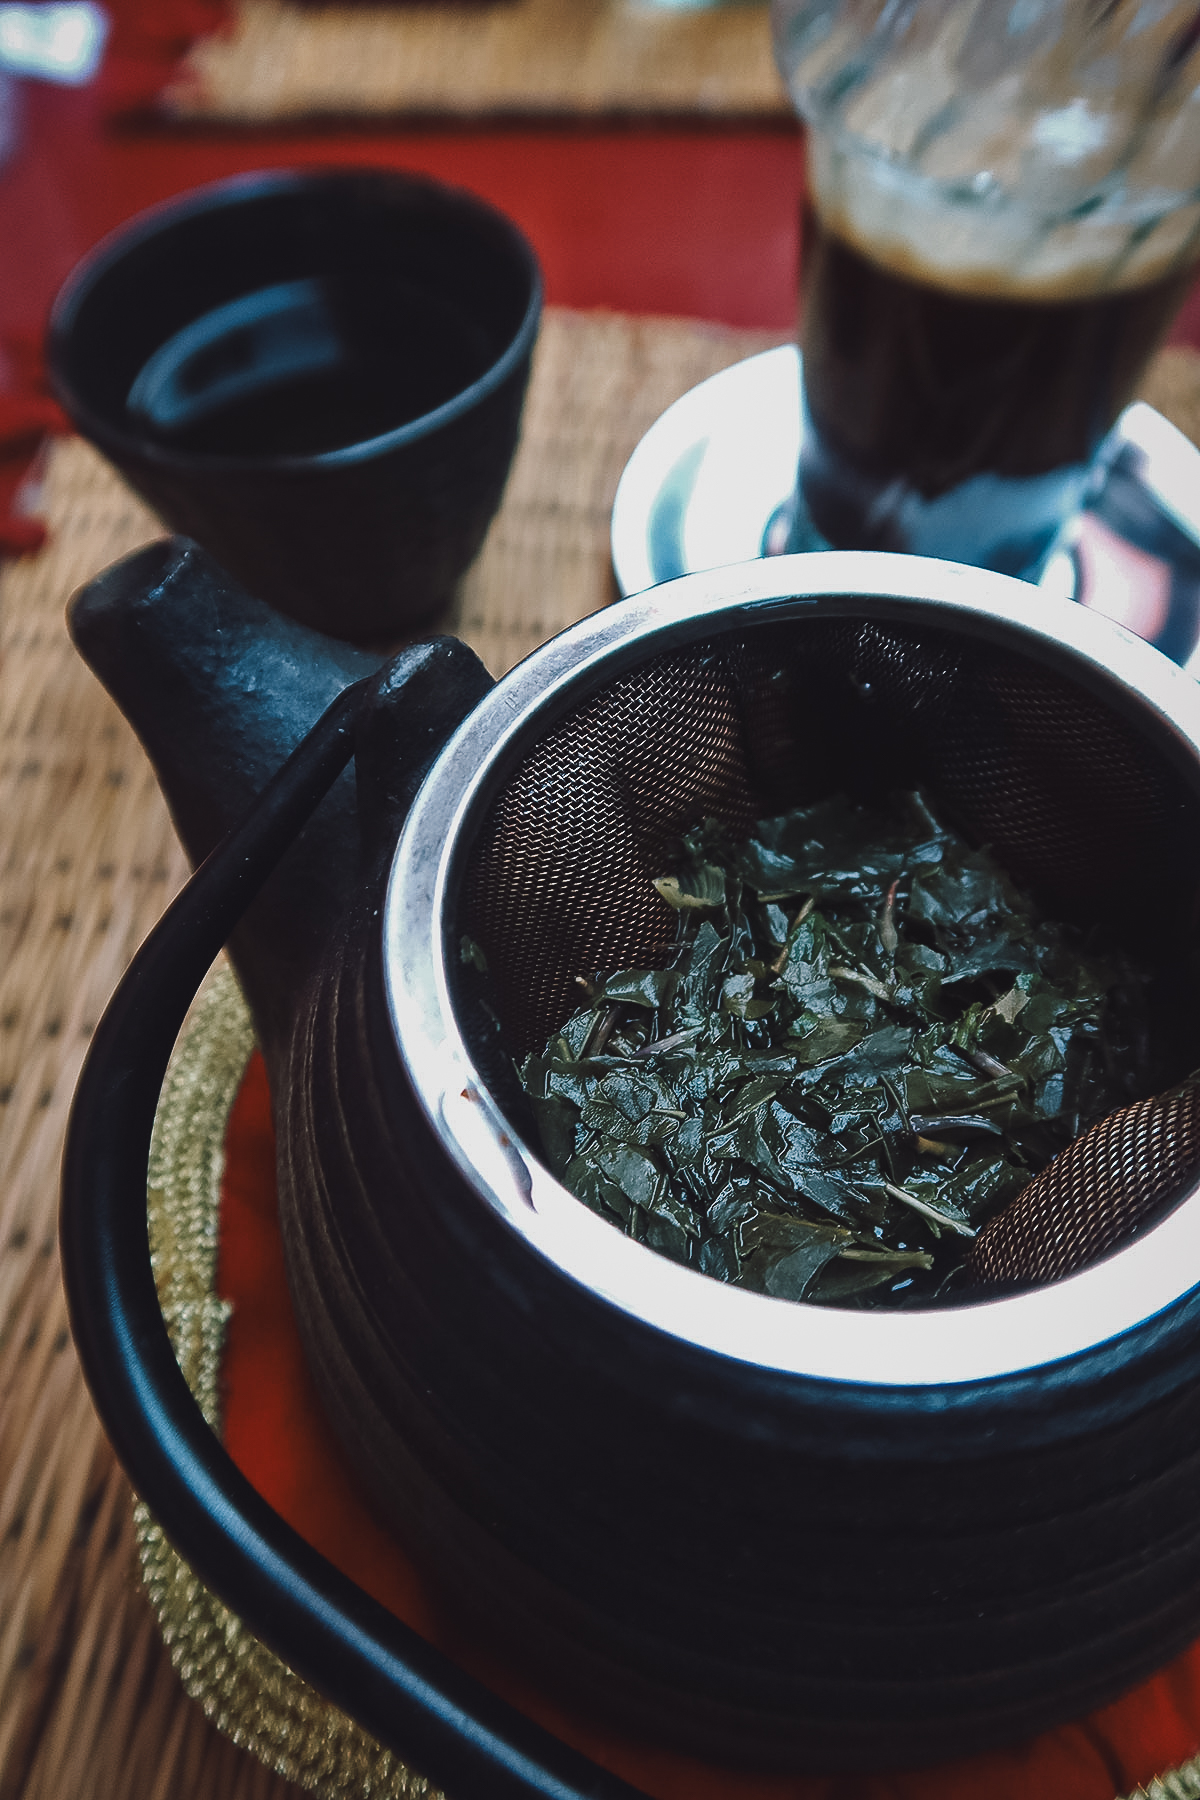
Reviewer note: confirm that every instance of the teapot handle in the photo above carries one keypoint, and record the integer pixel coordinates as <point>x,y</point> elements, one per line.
<point>398,1687</point>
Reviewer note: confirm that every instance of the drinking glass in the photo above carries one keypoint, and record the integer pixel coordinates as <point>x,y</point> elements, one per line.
<point>1003,216</point>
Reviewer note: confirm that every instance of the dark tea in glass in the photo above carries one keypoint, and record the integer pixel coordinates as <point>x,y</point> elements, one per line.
<point>1001,224</point>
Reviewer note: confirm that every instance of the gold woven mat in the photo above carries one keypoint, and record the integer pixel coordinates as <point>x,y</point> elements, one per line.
<point>89,1706</point>
<point>248,1692</point>
<point>531,58</point>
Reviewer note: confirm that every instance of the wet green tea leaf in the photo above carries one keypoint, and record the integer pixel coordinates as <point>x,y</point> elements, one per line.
<point>865,1045</point>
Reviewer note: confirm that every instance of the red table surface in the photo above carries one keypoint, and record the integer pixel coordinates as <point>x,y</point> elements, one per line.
<point>276,1433</point>
<point>694,221</point>
<point>699,222</point>
<point>685,221</point>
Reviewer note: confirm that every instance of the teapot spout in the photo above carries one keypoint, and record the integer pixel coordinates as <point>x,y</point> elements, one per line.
<point>220,689</point>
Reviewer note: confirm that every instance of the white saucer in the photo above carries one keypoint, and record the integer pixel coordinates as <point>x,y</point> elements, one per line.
<point>711,483</point>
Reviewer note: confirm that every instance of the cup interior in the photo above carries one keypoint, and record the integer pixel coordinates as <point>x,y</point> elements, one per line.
<point>293,315</point>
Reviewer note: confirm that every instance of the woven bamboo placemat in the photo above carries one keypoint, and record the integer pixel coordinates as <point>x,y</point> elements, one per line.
<point>1172,383</point>
<point>527,58</point>
<point>89,1706</point>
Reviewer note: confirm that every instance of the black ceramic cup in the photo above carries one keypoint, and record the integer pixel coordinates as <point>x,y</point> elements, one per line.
<point>318,376</point>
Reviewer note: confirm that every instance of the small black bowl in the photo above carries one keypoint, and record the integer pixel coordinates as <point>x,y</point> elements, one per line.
<point>318,376</point>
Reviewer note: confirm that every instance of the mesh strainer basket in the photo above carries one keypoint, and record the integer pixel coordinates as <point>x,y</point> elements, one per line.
<point>773,1532</point>
<point>1082,810</point>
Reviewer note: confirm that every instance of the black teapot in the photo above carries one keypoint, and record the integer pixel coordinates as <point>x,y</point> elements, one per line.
<point>771,1532</point>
